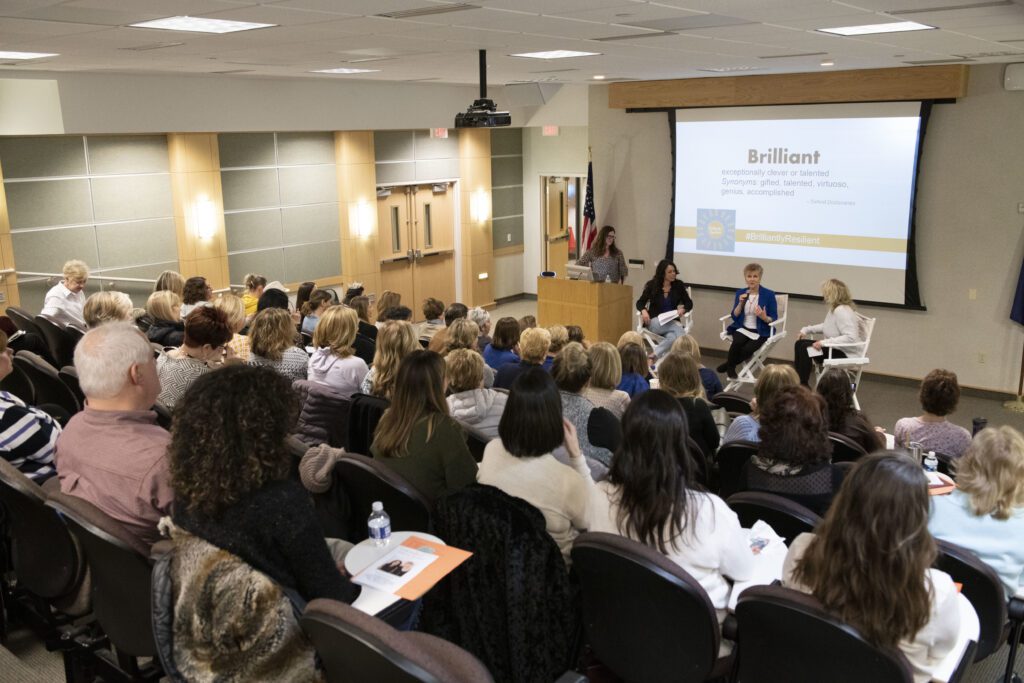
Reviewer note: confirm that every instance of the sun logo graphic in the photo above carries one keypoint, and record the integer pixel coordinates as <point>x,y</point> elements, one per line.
<point>716,230</point>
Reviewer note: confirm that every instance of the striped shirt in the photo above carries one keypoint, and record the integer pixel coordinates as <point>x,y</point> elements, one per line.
<point>27,437</point>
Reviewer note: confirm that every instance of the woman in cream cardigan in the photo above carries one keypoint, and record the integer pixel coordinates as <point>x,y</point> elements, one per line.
<point>842,325</point>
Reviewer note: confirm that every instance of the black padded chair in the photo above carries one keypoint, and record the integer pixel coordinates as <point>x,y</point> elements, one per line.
<point>164,415</point>
<point>845,449</point>
<point>731,458</point>
<point>357,647</point>
<point>733,403</point>
<point>19,384</point>
<point>60,342</point>
<point>366,480</point>
<point>47,385</point>
<point>24,321</point>
<point>700,460</point>
<point>662,599</point>
<point>363,416</point>
<point>476,444</point>
<point>785,635</point>
<point>120,572</point>
<point>787,518</point>
<point>947,463</point>
<point>307,339</point>
<point>69,375</point>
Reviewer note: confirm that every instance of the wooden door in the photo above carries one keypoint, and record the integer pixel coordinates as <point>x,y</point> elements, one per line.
<point>394,245</point>
<point>433,228</point>
<point>556,222</point>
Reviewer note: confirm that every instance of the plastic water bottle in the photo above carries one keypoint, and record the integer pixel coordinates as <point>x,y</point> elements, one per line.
<point>931,463</point>
<point>607,278</point>
<point>379,525</point>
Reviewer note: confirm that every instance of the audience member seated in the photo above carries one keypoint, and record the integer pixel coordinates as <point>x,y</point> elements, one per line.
<point>396,339</point>
<point>634,369</point>
<point>354,291</point>
<point>571,372</point>
<point>473,406</point>
<point>397,313</point>
<point>841,326</point>
<point>203,350</point>
<point>334,362</point>
<point>385,301</point>
<point>483,321</point>
<point>708,377</point>
<point>605,376</point>
<point>113,453</point>
<point>794,457</point>
<point>171,281</point>
<point>273,298</point>
<point>64,302</point>
<point>27,435</point>
<point>433,309</point>
<point>230,467</point>
<point>272,336</point>
<point>533,348</point>
<point>520,462</point>
<point>464,334</point>
<point>502,348</point>
<point>559,338</point>
<point>234,309</point>
<point>361,305</point>
<point>678,375</point>
<point>197,292</point>
<point>105,307</point>
<point>940,394</point>
<point>869,563</point>
<point>652,496</point>
<point>985,513</point>
<point>416,437</point>
<point>439,341</point>
<point>318,302</point>
<point>771,380</point>
<point>254,286</point>
<point>305,291</point>
<point>843,418</point>
<point>575,333</point>
<point>526,322</point>
<point>166,326</point>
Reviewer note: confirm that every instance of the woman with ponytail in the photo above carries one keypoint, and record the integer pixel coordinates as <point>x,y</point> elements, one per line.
<point>313,308</point>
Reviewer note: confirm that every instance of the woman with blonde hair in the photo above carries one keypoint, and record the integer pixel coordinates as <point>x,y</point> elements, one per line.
<point>985,514</point>
<point>463,333</point>
<point>396,340</point>
<point>171,281</point>
<point>842,325</point>
<point>605,375</point>
<point>772,379</point>
<point>708,377</point>
<point>474,406</point>
<point>64,302</point>
<point>361,305</point>
<point>164,309</point>
<point>869,563</point>
<point>109,306</point>
<point>678,375</point>
<point>388,299</point>
<point>272,336</point>
<point>334,362</point>
<point>559,338</point>
<point>235,310</point>
<point>254,286</point>
<point>416,437</point>
<point>533,347</point>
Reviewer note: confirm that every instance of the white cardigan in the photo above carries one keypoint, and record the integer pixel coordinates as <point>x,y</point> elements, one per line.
<point>842,324</point>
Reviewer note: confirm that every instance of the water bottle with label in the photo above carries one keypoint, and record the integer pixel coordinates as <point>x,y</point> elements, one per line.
<point>931,463</point>
<point>379,525</point>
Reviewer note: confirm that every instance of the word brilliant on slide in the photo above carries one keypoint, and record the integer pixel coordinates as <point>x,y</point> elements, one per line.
<point>782,155</point>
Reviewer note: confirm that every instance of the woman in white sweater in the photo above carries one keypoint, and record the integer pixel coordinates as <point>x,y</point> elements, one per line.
<point>841,326</point>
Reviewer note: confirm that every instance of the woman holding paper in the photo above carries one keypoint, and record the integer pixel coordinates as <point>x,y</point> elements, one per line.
<point>662,305</point>
<point>753,311</point>
<point>842,325</point>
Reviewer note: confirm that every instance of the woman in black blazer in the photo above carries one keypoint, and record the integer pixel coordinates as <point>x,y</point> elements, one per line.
<point>662,294</point>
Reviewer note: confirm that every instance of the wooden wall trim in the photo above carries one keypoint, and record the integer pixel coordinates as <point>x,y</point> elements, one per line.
<point>861,85</point>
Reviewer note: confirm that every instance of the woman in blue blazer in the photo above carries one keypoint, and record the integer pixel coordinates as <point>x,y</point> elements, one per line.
<point>753,309</point>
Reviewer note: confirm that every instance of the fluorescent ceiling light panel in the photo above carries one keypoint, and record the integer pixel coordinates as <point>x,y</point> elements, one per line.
<point>555,54</point>
<point>26,55</point>
<point>201,25</point>
<point>867,29</point>
<point>343,70</point>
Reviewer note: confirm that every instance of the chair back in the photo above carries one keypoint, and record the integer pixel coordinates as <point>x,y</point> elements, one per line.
<point>733,403</point>
<point>476,444</point>
<point>661,599</point>
<point>983,589</point>
<point>366,480</point>
<point>46,383</point>
<point>357,647</point>
<point>307,339</point>
<point>20,385</point>
<point>788,636</point>
<point>867,326</point>
<point>363,416</point>
<point>731,458</point>
<point>164,415</point>
<point>700,460</point>
<point>782,305</point>
<point>23,320</point>
<point>60,342</point>
<point>323,417</point>
<point>120,574</point>
<point>845,449</point>
<point>787,518</point>
<point>69,375</point>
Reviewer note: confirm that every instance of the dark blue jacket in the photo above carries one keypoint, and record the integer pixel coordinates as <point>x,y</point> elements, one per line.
<point>766,300</point>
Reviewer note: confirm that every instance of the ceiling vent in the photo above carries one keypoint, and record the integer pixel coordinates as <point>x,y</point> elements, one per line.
<point>427,11</point>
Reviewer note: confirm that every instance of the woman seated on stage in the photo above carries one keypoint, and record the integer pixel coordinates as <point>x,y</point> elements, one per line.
<point>604,258</point>
<point>753,310</point>
<point>842,325</point>
<point>664,294</point>
<point>869,563</point>
<point>985,514</point>
<point>843,418</point>
<point>940,394</point>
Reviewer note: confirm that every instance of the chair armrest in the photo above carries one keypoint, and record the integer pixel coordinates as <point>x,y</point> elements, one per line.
<point>723,318</point>
<point>730,627</point>
<point>825,342</point>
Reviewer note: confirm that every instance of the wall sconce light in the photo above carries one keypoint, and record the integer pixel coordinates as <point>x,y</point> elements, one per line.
<point>479,206</point>
<point>204,216</point>
<point>360,218</point>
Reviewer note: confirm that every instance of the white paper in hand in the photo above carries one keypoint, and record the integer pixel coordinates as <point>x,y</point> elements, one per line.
<point>813,352</point>
<point>668,317</point>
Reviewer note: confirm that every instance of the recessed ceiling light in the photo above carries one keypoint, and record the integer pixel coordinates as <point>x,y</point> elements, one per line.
<point>555,54</point>
<point>201,25</point>
<point>599,78</point>
<point>343,70</point>
<point>26,55</point>
<point>827,62</point>
<point>891,27</point>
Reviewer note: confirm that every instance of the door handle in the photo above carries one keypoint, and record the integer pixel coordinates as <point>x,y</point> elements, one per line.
<point>419,255</point>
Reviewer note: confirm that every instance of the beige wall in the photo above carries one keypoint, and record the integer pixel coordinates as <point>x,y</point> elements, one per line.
<point>969,234</point>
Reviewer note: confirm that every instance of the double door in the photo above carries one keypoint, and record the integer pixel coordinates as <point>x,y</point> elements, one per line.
<point>416,244</point>
<point>561,213</point>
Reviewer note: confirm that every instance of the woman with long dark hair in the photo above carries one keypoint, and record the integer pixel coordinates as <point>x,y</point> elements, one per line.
<point>869,563</point>
<point>664,293</point>
<point>651,495</point>
<point>604,258</point>
<point>834,386</point>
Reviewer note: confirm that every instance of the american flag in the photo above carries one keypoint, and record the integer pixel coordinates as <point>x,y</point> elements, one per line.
<point>589,230</point>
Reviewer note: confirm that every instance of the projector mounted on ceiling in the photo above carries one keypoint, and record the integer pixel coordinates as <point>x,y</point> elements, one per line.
<point>483,112</point>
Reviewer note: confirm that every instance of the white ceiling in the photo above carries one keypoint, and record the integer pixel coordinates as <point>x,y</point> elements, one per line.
<point>663,39</point>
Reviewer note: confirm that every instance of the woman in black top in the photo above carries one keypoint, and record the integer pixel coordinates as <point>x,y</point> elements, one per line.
<point>665,292</point>
<point>678,375</point>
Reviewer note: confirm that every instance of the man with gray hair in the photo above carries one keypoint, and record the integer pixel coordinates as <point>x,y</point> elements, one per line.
<point>113,454</point>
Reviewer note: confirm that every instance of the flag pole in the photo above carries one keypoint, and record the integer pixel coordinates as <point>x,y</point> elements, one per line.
<point>1017,405</point>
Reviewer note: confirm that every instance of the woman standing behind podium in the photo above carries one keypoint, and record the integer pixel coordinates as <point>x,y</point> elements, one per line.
<point>753,310</point>
<point>604,258</point>
<point>663,294</point>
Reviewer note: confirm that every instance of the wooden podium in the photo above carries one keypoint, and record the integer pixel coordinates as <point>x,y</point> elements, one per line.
<point>604,310</point>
